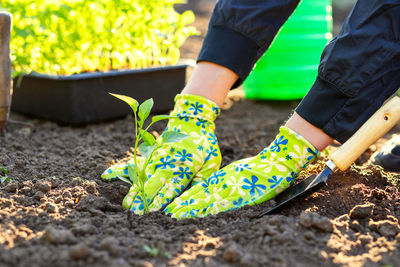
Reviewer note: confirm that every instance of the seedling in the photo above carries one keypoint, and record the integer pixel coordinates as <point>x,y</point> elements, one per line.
<point>148,144</point>
<point>154,251</point>
<point>4,177</point>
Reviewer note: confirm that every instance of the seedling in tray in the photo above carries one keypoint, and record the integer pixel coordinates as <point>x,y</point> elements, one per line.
<point>4,177</point>
<point>148,146</point>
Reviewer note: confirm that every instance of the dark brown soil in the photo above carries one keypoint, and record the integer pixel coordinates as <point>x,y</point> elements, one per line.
<point>57,211</point>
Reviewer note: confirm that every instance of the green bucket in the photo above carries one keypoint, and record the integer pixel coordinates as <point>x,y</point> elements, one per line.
<point>289,67</point>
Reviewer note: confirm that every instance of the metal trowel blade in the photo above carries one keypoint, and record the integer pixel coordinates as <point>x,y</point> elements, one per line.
<point>305,187</point>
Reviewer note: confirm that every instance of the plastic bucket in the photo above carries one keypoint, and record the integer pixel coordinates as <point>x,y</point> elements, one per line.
<point>289,67</point>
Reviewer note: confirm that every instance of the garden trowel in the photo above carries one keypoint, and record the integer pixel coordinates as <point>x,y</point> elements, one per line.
<point>374,128</point>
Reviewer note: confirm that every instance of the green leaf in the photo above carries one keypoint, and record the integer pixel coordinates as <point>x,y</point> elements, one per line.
<point>4,170</point>
<point>132,172</point>
<point>168,255</point>
<point>147,137</point>
<point>187,17</point>
<point>161,117</point>
<point>153,251</point>
<point>145,108</point>
<point>4,177</point>
<point>124,180</point>
<point>129,100</point>
<point>172,137</point>
<point>147,149</point>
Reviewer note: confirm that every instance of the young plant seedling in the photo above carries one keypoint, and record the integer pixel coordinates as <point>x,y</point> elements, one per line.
<point>4,177</point>
<point>155,251</point>
<point>148,145</point>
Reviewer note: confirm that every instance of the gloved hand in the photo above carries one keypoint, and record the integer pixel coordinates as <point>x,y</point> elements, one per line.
<point>174,165</point>
<point>248,181</point>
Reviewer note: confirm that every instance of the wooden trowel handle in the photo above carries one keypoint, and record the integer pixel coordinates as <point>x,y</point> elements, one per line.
<point>373,129</point>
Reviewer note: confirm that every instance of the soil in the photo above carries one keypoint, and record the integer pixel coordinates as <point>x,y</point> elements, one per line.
<point>57,211</point>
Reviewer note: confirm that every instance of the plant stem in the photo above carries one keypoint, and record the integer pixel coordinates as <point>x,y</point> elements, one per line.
<point>142,177</point>
<point>139,182</point>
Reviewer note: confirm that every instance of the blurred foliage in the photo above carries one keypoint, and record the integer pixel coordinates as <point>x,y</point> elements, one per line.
<point>73,36</point>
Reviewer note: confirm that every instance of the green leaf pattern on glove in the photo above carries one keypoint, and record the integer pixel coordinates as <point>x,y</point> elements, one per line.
<point>175,165</point>
<point>248,181</point>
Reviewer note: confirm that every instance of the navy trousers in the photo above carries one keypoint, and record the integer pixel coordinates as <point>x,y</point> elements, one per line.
<point>358,71</point>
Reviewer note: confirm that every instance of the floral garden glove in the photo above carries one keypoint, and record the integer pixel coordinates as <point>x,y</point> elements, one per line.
<point>248,181</point>
<point>174,165</point>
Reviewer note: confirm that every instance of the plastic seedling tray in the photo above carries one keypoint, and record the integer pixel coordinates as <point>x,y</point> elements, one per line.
<point>83,98</point>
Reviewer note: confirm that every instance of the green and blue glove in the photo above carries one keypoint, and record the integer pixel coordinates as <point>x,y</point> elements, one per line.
<point>174,166</point>
<point>248,181</point>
